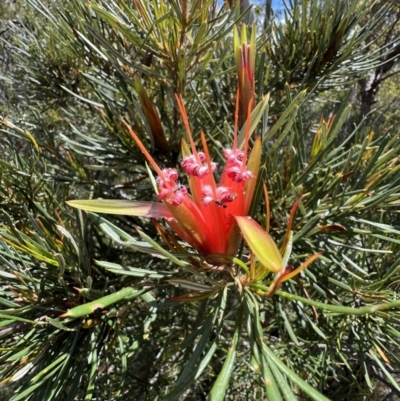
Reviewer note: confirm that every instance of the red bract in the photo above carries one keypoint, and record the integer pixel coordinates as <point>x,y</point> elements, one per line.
<point>245,57</point>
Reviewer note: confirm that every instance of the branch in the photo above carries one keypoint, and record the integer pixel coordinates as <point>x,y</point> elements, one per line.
<point>390,75</point>
<point>390,59</point>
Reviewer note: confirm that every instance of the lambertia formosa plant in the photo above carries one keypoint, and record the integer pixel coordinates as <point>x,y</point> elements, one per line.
<point>251,245</point>
<point>211,216</point>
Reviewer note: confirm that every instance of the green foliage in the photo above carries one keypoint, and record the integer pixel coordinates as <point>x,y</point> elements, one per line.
<point>323,43</point>
<point>87,305</point>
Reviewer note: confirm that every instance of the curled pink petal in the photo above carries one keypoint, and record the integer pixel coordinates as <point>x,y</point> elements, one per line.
<point>245,175</point>
<point>233,172</point>
<point>191,166</point>
<point>233,157</point>
<point>170,174</point>
<point>202,157</point>
<point>163,193</point>
<point>222,195</point>
<point>229,197</point>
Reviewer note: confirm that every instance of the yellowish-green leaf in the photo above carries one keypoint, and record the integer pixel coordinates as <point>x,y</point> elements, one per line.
<point>126,207</point>
<point>260,243</point>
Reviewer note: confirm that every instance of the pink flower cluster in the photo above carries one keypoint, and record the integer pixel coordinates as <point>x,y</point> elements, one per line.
<point>168,189</point>
<point>197,166</point>
<point>234,166</point>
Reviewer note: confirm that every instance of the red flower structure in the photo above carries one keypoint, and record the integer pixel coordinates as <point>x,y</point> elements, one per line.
<point>203,212</point>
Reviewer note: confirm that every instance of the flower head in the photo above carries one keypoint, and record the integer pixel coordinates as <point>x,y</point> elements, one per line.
<point>200,209</point>
<point>203,212</point>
